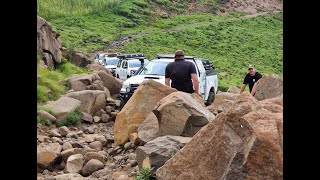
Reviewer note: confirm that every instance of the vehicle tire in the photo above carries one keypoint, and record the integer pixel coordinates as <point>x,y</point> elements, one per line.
<point>211,98</point>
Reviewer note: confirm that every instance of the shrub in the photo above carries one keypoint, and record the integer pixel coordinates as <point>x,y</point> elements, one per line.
<point>144,174</point>
<point>43,121</point>
<point>72,119</point>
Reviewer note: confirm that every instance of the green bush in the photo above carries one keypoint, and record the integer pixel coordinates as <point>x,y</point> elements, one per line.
<point>144,174</point>
<point>43,121</point>
<point>72,119</point>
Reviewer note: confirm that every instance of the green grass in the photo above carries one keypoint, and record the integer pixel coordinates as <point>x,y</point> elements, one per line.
<point>63,8</point>
<point>231,44</point>
<point>144,174</point>
<point>43,121</point>
<point>229,41</point>
<point>52,84</point>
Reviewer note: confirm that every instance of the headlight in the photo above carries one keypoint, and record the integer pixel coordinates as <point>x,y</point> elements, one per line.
<point>128,89</point>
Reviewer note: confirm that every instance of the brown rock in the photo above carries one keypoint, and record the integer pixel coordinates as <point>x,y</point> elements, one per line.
<point>48,40</point>
<point>148,129</point>
<point>110,82</point>
<point>86,117</point>
<point>156,152</point>
<point>91,100</point>
<point>233,89</point>
<point>180,114</point>
<point>93,155</point>
<point>98,67</point>
<point>47,154</point>
<point>63,106</point>
<point>74,163</point>
<point>46,115</point>
<point>245,142</point>
<point>96,145</point>
<point>269,86</point>
<point>91,166</point>
<point>137,108</point>
<point>274,105</point>
<point>79,59</point>
<point>220,97</point>
<point>134,138</point>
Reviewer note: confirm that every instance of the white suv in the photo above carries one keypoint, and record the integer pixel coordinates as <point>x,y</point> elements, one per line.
<point>129,64</point>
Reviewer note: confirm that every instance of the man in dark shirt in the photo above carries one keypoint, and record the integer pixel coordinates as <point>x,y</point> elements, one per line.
<point>183,74</point>
<point>251,78</point>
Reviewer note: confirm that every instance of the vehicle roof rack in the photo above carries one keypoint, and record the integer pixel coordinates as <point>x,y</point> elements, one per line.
<point>132,55</point>
<point>159,56</point>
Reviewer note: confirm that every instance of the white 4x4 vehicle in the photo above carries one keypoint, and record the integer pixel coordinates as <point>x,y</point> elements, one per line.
<point>129,64</point>
<point>155,70</point>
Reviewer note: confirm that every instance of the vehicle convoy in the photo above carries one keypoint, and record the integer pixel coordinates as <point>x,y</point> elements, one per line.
<point>155,70</point>
<point>129,64</point>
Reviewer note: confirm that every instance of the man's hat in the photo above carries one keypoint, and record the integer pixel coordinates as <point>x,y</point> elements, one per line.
<point>178,53</point>
<point>250,66</point>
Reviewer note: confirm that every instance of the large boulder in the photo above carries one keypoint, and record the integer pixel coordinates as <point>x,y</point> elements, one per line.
<point>110,82</point>
<point>220,97</point>
<point>137,108</point>
<point>91,100</point>
<point>156,152</point>
<point>269,86</point>
<point>62,106</point>
<point>80,82</point>
<point>48,42</point>
<point>79,59</point>
<point>274,105</point>
<point>98,67</point>
<point>245,142</point>
<point>180,114</point>
<point>47,155</point>
<point>148,129</point>
<point>233,89</point>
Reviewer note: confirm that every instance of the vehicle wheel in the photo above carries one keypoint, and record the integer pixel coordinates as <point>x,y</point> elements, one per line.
<point>211,98</point>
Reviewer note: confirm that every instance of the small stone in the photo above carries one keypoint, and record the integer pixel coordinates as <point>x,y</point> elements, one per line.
<point>127,145</point>
<point>96,119</point>
<point>66,146</point>
<point>54,133</point>
<point>56,139</point>
<point>96,145</point>
<point>64,130</point>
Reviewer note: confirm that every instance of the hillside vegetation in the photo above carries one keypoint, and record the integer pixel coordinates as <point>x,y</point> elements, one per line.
<point>162,26</point>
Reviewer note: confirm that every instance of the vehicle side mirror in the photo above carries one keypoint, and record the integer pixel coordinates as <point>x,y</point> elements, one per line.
<point>125,67</point>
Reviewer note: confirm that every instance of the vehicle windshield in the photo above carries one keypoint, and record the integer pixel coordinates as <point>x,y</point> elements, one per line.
<point>112,61</point>
<point>154,68</point>
<point>101,56</point>
<point>137,63</point>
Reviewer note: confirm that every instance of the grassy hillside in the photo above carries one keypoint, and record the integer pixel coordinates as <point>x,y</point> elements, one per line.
<point>162,26</point>
<point>51,83</point>
<point>231,44</point>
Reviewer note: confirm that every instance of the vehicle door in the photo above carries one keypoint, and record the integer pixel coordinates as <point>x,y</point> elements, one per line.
<point>118,68</point>
<point>202,77</point>
<point>123,70</point>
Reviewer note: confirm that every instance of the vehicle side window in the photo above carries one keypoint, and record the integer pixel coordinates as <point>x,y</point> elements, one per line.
<point>119,63</point>
<point>125,64</point>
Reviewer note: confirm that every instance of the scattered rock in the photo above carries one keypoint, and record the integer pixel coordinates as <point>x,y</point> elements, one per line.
<point>74,163</point>
<point>91,166</point>
<point>46,115</point>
